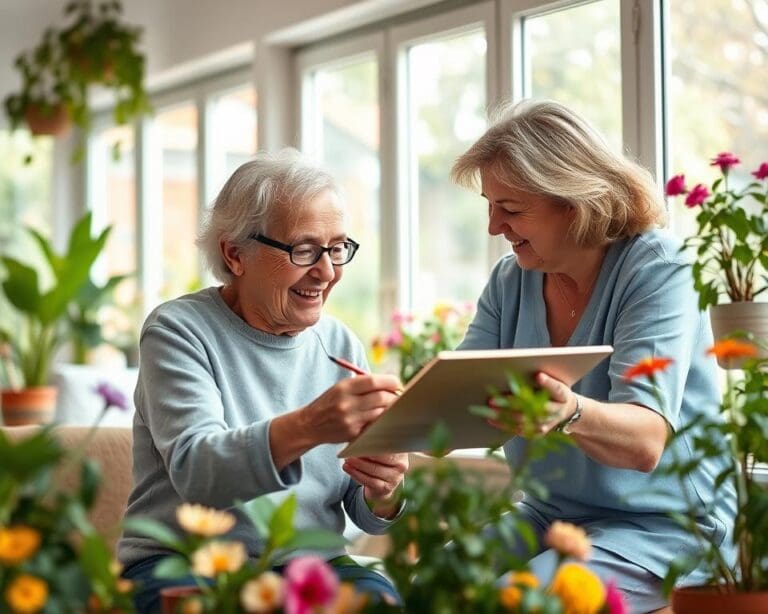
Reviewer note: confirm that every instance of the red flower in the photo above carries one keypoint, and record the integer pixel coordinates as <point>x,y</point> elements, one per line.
<point>725,161</point>
<point>762,171</point>
<point>727,349</point>
<point>647,367</point>
<point>697,195</point>
<point>676,186</point>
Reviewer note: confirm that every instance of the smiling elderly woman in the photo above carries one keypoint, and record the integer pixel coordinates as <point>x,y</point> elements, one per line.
<point>237,397</point>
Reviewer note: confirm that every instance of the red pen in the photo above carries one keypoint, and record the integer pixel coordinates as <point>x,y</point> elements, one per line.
<point>347,365</point>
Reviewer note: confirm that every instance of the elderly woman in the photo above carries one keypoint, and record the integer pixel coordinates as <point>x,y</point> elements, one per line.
<point>590,267</point>
<point>237,396</point>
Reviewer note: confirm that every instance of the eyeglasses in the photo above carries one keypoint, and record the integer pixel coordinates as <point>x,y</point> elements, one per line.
<point>307,254</point>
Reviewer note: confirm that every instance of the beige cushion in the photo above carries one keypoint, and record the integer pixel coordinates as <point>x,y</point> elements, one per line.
<point>112,448</point>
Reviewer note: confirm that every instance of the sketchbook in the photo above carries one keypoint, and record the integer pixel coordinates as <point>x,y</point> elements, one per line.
<point>453,381</point>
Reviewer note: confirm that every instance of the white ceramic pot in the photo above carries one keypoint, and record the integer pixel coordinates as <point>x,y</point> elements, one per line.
<point>745,317</point>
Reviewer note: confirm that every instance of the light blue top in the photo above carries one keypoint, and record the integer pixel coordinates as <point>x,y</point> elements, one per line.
<point>644,305</point>
<point>209,385</point>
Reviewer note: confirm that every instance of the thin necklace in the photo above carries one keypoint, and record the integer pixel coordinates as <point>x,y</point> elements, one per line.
<point>571,306</point>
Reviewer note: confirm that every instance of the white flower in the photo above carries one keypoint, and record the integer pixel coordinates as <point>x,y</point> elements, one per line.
<point>204,521</point>
<point>218,557</point>
<point>262,594</point>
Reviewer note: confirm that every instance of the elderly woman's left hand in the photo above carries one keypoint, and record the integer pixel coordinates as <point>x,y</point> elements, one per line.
<point>562,401</point>
<point>380,477</point>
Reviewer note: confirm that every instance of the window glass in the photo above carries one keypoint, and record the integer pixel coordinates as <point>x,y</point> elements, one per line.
<point>718,62</point>
<point>574,56</point>
<point>345,129</point>
<point>233,133</point>
<point>446,113</point>
<point>177,135</point>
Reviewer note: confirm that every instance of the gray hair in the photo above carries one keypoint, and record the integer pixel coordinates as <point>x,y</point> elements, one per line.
<point>543,148</point>
<point>251,196</point>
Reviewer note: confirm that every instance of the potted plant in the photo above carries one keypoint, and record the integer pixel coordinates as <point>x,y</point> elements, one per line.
<point>739,587</point>
<point>32,340</point>
<point>94,48</point>
<point>731,246</point>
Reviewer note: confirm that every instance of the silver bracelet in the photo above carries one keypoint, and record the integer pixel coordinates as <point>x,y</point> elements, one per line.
<point>565,427</point>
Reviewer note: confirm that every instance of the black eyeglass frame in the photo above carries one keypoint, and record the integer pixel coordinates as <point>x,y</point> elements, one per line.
<point>353,247</point>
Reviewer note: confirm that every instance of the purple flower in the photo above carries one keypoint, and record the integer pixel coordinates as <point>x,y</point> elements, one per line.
<point>112,396</point>
<point>676,186</point>
<point>697,195</point>
<point>725,160</point>
<point>762,171</point>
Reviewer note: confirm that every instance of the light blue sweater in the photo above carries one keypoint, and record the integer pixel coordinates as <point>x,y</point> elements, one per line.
<point>644,305</point>
<point>209,385</point>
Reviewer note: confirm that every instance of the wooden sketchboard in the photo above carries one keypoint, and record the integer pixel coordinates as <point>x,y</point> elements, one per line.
<point>451,382</point>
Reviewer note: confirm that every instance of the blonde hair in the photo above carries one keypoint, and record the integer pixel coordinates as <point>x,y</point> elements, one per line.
<point>543,148</point>
<point>248,200</point>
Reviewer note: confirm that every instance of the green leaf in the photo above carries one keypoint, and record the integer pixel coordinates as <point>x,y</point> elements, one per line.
<point>258,511</point>
<point>21,286</point>
<point>146,527</point>
<point>90,478</point>
<point>95,558</point>
<point>172,567</point>
<point>281,528</point>
<point>315,539</point>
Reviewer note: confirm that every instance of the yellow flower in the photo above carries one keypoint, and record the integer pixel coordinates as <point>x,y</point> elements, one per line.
<point>378,351</point>
<point>568,539</point>
<point>523,578</point>
<point>26,594</point>
<point>443,311</point>
<point>218,557</point>
<point>579,590</point>
<point>17,544</point>
<point>204,521</point>
<point>262,594</point>
<point>510,597</point>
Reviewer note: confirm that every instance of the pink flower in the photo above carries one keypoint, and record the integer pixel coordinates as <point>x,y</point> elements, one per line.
<point>614,600</point>
<point>697,195</point>
<point>394,338</point>
<point>310,583</point>
<point>676,186</point>
<point>762,171</point>
<point>725,160</point>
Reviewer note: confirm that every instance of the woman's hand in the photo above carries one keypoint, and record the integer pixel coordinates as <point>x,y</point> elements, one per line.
<point>380,477</point>
<point>338,415</point>
<point>562,401</point>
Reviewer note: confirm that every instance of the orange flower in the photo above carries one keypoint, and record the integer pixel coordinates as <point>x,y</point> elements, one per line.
<point>568,539</point>
<point>728,349</point>
<point>18,543</point>
<point>523,578</point>
<point>647,367</point>
<point>510,597</point>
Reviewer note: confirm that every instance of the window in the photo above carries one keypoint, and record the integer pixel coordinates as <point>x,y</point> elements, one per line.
<point>718,60</point>
<point>446,101</point>
<point>573,56</point>
<point>342,133</point>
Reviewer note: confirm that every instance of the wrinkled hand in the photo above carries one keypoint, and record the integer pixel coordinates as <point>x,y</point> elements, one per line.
<point>346,408</point>
<point>562,401</point>
<point>380,477</point>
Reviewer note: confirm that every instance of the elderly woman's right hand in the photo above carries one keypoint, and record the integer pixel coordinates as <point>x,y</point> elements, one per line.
<point>342,412</point>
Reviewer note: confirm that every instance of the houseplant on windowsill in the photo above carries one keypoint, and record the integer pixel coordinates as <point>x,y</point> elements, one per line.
<point>31,340</point>
<point>731,247</point>
<point>740,587</point>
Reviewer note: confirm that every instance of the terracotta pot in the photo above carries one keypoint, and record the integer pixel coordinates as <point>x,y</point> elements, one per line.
<point>172,598</point>
<point>35,405</point>
<point>745,317</point>
<point>43,121</point>
<point>707,600</point>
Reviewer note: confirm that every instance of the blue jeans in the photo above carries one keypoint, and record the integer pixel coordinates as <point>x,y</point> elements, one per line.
<point>147,598</point>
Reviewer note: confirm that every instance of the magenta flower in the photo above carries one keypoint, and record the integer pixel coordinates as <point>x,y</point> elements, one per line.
<point>112,396</point>
<point>697,195</point>
<point>394,338</point>
<point>676,186</point>
<point>762,171</point>
<point>310,583</point>
<point>614,600</point>
<point>725,160</point>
